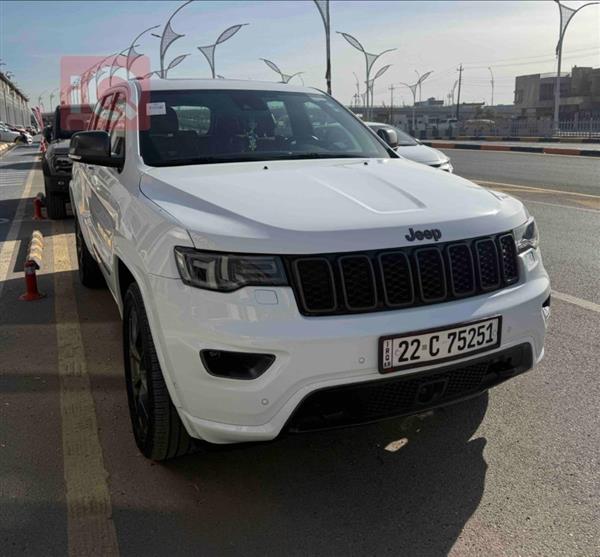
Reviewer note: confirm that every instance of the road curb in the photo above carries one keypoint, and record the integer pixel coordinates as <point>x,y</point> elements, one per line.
<point>514,148</point>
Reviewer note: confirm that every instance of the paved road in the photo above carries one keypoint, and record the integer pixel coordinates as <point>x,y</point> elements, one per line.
<point>513,473</point>
<point>556,144</point>
<point>559,172</point>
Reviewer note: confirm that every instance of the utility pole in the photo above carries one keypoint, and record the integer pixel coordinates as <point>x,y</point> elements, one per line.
<point>492,82</point>
<point>391,88</point>
<point>460,71</point>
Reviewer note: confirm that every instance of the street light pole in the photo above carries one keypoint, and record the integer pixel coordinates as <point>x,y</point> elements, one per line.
<point>566,15</point>
<point>492,82</point>
<point>167,38</point>
<point>460,71</point>
<point>323,7</point>
<point>209,51</point>
<point>418,81</point>
<point>370,60</point>
<point>285,78</point>
<point>132,55</point>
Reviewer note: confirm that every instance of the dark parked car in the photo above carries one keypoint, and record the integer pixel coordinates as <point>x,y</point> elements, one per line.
<point>56,164</point>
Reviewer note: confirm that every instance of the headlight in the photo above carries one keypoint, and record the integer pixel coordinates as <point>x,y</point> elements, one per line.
<point>526,236</point>
<point>226,272</point>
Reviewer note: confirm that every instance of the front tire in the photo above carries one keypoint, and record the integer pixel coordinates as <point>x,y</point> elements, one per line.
<point>157,428</point>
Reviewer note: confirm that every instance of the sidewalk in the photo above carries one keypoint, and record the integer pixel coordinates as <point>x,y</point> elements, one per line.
<point>576,149</point>
<point>5,146</point>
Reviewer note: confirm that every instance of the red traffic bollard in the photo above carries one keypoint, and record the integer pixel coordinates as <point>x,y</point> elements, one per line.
<point>37,208</point>
<point>31,283</point>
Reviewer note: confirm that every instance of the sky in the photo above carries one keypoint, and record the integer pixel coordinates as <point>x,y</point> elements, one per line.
<point>512,37</point>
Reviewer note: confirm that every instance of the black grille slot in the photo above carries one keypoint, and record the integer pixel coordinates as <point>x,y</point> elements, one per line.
<point>379,280</point>
<point>508,252</point>
<point>315,279</point>
<point>358,282</point>
<point>462,273</point>
<point>397,279</point>
<point>487,263</point>
<point>430,270</point>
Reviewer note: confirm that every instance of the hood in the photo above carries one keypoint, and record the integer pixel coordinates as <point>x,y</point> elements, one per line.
<point>422,154</point>
<point>324,205</point>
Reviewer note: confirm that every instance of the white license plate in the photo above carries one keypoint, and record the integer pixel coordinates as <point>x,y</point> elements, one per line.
<point>438,345</point>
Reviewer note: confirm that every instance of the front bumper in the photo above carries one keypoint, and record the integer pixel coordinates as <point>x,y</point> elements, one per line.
<point>312,353</point>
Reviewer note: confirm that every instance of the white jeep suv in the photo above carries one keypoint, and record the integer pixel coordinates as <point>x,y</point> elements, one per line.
<point>279,268</point>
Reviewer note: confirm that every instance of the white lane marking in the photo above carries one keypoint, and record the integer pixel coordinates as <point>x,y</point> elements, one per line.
<point>10,245</point>
<point>585,304</point>
<point>532,188</point>
<point>91,530</point>
<point>585,209</point>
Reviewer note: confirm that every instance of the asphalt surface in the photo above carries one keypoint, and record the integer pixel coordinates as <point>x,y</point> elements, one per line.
<point>553,144</point>
<point>554,172</point>
<point>511,473</point>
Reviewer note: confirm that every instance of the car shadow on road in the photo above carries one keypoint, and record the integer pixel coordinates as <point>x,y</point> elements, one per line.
<point>342,492</point>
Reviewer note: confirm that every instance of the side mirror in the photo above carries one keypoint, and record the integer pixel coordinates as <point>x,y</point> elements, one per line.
<point>48,134</point>
<point>389,136</point>
<point>93,148</point>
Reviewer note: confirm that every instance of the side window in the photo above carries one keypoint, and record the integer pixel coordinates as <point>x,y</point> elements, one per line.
<point>101,114</point>
<point>116,126</point>
<point>193,118</point>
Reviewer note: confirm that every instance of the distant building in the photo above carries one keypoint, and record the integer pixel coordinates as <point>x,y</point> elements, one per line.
<point>14,108</point>
<point>430,113</point>
<point>431,101</point>
<point>579,94</point>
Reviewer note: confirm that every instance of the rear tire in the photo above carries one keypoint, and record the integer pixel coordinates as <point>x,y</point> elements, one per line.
<point>157,427</point>
<point>56,205</point>
<point>90,274</point>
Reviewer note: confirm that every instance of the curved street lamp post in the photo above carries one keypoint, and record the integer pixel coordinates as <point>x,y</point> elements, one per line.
<point>209,51</point>
<point>285,78</point>
<point>323,7</point>
<point>370,60</point>
<point>413,89</point>
<point>566,15</point>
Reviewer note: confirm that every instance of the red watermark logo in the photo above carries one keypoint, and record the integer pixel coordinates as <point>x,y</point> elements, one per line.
<point>85,79</point>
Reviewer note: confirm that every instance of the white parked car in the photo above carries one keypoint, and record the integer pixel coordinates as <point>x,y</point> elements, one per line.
<point>411,148</point>
<point>7,134</point>
<point>279,268</point>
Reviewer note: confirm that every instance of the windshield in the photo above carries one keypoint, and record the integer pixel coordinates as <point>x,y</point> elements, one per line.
<point>212,126</point>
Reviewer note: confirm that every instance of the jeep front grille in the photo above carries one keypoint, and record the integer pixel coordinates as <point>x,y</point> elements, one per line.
<point>345,283</point>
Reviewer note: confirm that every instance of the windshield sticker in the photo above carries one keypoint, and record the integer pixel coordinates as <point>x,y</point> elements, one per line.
<point>156,109</point>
